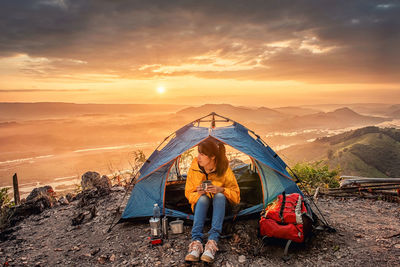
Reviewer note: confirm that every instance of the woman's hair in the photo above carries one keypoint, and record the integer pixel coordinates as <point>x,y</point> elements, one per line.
<point>211,147</point>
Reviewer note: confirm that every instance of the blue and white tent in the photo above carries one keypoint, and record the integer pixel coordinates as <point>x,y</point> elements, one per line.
<point>151,184</point>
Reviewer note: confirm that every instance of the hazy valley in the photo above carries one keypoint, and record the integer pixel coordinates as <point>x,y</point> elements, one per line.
<point>57,142</point>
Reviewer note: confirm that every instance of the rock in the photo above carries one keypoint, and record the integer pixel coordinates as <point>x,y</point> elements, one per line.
<point>78,219</point>
<point>92,211</point>
<point>95,251</point>
<point>236,238</point>
<point>397,246</point>
<point>35,205</point>
<point>118,189</point>
<point>104,182</point>
<point>242,259</point>
<point>102,259</point>
<point>93,180</point>
<point>112,258</point>
<point>70,197</point>
<point>88,180</point>
<point>63,201</point>
<point>44,191</point>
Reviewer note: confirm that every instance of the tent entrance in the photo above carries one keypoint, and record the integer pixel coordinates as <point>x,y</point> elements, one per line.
<point>245,172</point>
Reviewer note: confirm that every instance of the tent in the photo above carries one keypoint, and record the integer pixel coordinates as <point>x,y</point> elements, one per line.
<point>152,183</point>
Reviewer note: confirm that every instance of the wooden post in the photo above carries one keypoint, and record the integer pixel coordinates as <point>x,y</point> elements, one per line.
<point>17,200</point>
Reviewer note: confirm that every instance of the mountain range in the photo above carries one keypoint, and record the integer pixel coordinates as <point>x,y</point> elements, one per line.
<point>283,119</point>
<point>40,110</point>
<point>368,151</point>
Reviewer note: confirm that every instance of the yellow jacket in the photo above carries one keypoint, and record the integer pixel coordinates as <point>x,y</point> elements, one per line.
<point>195,176</point>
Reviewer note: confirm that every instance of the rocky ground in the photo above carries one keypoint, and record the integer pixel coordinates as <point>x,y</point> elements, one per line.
<point>367,235</point>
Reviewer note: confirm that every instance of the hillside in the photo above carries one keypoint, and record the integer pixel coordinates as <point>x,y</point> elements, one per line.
<point>369,151</point>
<point>366,236</point>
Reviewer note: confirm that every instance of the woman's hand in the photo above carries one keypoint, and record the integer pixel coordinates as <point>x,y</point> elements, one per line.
<point>200,190</point>
<point>215,189</point>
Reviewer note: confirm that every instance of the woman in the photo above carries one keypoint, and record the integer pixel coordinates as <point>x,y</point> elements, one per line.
<point>212,165</point>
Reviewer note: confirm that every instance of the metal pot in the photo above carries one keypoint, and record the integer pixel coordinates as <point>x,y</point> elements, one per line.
<point>176,226</point>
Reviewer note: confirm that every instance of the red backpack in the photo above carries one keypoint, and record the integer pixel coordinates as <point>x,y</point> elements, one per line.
<point>284,218</point>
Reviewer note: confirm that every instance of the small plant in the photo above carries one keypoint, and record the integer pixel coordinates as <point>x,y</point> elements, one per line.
<point>77,188</point>
<point>317,174</point>
<point>5,200</point>
<point>5,205</point>
<point>139,158</point>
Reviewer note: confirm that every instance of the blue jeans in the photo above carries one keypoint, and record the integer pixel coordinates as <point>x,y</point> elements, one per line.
<point>200,214</point>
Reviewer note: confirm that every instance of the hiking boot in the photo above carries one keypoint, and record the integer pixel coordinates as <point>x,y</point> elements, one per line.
<point>209,251</point>
<point>195,248</point>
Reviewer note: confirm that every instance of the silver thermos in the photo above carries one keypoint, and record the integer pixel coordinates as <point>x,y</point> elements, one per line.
<point>164,223</point>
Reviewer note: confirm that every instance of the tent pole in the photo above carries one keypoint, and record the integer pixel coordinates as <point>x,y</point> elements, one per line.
<point>213,121</point>
<point>122,201</point>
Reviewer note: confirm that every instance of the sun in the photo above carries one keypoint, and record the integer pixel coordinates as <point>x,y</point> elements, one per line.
<point>161,90</point>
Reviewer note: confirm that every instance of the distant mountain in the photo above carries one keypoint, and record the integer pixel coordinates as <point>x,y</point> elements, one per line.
<point>394,111</point>
<point>395,114</point>
<point>374,109</point>
<point>297,111</point>
<point>369,151</point>
<point>240,114</point>
<point>339,118</point>
<point>282,119</point>
<point>14,111</point>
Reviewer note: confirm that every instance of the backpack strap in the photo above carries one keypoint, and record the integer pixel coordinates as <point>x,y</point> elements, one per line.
<point>282,206</point>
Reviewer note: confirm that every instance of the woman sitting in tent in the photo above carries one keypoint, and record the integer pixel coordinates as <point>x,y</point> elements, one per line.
<point>210,165</point>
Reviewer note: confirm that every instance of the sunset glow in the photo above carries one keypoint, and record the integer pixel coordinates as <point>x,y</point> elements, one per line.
<point>274,55</point>
<point>161,90</point>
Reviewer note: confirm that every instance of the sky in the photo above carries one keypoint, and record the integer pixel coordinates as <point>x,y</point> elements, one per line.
<point>255,53</point>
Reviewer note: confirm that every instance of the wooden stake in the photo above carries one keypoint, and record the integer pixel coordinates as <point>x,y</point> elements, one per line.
<point>17,200</point>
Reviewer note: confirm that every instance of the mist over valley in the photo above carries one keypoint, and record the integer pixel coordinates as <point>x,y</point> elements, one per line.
<point>57,142</point>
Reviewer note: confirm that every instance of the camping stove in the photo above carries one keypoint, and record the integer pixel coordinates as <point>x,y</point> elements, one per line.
<point>155,231</point>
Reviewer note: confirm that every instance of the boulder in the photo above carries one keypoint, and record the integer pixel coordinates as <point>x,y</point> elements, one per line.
<point>104,183</point>
<point>34,206</point>
<point>45,192</point>
<point>93,180</point>
<point>38,200</point>
<point>88,180</point>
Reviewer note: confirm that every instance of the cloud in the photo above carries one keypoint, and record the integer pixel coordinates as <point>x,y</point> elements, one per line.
<point>309,41</point>
<point>42,90</point>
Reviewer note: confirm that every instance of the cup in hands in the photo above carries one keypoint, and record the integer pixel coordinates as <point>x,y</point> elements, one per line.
<point>205,184</point>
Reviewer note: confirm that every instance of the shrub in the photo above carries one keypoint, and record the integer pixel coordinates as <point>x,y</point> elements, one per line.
<point>317,174</point>
<point>5,205</point>
<point>5,200</point>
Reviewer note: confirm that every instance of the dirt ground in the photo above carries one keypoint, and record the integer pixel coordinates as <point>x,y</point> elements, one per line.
<point>367,235</point>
